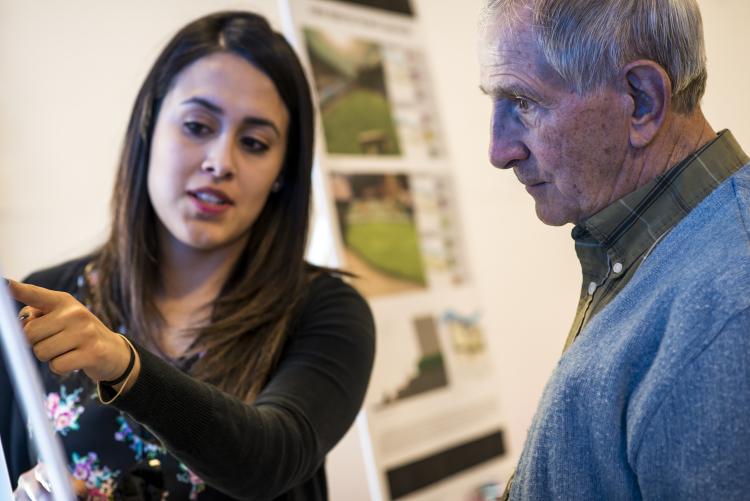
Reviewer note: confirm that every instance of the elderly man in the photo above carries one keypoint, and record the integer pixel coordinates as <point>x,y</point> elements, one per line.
<point>596,110</point>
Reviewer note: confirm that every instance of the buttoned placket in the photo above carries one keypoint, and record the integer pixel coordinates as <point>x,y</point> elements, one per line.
<point>595,292</point>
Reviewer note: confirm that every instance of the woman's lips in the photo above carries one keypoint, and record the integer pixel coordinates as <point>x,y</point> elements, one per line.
<point>210,200</point>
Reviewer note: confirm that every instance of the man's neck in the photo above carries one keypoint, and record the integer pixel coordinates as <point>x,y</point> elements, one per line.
<point>681,135</point>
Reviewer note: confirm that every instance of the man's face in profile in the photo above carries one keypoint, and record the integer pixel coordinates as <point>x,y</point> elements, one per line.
<point>568,149</point>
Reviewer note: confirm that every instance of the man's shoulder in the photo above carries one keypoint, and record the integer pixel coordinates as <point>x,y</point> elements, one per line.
<point>712,243</point>
<point>741,183</point>
<point>691,299</point>
<point>697,277</point>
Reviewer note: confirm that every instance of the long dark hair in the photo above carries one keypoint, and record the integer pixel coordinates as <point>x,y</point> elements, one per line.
<point>241,344</point>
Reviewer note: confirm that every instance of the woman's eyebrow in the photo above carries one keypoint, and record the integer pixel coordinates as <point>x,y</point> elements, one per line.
<point>251,121</point>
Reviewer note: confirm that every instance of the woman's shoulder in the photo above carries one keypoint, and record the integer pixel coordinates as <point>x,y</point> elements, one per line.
<point>61,277</point>
<point>326,283</point>
<point>328,294</point>
<point>327,278</point>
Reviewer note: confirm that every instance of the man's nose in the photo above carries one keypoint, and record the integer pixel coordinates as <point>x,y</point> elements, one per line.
<point>506,145</point>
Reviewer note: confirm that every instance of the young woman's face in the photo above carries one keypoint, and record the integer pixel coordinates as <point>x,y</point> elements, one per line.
<point>217,149</point>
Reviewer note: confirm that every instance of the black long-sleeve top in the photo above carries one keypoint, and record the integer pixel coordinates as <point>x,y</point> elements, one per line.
<point>202,443</point>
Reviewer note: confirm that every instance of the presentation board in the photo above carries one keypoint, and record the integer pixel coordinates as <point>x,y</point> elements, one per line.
<point>432,414</point>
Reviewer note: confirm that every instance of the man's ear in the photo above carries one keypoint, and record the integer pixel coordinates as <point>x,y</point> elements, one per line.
<point>650,89</point>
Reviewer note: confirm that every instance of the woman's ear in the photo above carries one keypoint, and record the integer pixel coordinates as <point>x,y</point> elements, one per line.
<point>650,89</point>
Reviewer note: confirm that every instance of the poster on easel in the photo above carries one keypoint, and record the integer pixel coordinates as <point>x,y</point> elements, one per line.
<point>433,416</point>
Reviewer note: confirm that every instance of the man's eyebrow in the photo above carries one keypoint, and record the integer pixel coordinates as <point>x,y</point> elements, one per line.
<point>251,121</point>
<point>506,91</point>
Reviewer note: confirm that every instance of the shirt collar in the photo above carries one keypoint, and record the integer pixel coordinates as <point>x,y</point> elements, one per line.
<point>629,227</point>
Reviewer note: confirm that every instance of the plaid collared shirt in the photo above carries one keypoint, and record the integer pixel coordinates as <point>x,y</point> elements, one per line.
<point>613,243</point>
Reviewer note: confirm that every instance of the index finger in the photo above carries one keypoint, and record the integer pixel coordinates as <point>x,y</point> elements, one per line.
<point>32,295</point>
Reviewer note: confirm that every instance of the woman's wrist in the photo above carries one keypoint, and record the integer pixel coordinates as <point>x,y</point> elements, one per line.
<point>133,376</point>
<point>128,369</point>
<point>108,393</point>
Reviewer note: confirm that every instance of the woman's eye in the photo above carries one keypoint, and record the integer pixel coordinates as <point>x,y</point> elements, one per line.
<point>197,129</point>
<point>253,145</point>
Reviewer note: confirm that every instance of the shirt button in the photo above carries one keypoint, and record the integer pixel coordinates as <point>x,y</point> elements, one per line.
<point>592,288</point>
<point>617,268</point>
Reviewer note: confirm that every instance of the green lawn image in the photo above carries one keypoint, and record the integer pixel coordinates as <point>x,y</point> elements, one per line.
<point>390,247</point>
<point>357,113</point>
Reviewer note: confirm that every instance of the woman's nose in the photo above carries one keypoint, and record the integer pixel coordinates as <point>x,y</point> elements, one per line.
<point>217,170</point>
<point>219,160</point>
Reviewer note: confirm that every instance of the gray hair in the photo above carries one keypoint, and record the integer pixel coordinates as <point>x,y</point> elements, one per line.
<point>588,41</point>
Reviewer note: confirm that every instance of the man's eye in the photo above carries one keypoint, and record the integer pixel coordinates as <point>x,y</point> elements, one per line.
<point>522,103</point>
<point>196,128</point>
<point>253,145</point>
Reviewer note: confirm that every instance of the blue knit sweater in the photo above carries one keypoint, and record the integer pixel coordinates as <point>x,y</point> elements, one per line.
<point>652,401</point>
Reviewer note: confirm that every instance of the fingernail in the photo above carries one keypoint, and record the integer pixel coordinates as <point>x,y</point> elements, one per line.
<point>41,476</point>
<point>24,316</point>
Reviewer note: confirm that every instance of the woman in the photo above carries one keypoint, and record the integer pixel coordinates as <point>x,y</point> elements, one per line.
<point>196,353</point>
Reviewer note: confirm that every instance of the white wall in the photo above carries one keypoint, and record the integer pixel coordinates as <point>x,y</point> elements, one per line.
<point>727,100</point>
<point>70,71</point>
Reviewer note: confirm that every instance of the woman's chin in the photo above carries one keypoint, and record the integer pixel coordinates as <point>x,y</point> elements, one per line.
<point>213,242</point>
